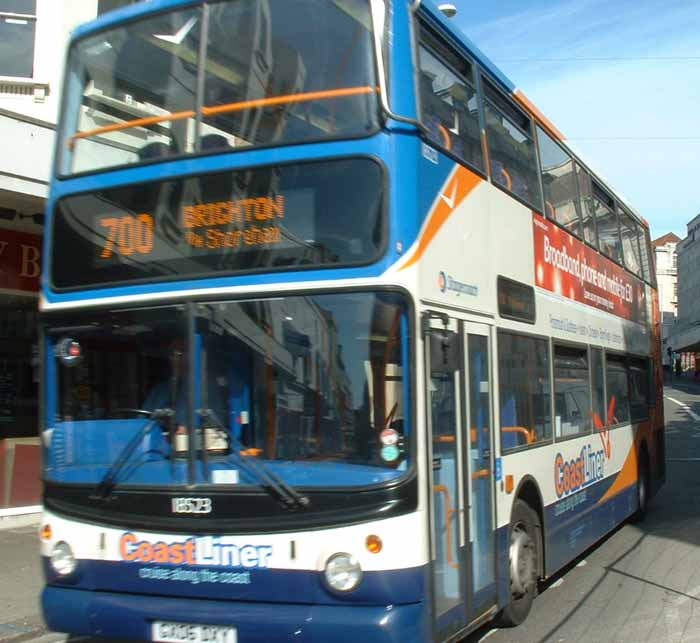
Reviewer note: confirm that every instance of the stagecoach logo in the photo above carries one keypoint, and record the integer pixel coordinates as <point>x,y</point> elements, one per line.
<point>447,282</point>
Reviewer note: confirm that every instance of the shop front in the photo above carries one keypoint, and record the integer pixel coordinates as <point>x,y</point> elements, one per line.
<point>20,267</point>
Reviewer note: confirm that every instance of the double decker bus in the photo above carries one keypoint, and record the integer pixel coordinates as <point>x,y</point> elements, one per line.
<point>340,340</point>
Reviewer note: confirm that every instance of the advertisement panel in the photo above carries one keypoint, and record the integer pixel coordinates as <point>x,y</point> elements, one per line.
<point>568,267</point>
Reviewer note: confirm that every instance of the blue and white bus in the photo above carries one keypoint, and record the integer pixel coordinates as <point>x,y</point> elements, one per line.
<point>341,341</point>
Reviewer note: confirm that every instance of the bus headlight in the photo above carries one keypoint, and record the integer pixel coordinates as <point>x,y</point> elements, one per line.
<point>343,572</point>
<point>62,559</point>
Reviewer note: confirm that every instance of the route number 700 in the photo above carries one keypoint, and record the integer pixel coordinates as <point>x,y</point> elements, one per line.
<point>127,235</point>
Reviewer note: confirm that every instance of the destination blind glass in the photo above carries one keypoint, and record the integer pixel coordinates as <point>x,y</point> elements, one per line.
<point>272,218</point>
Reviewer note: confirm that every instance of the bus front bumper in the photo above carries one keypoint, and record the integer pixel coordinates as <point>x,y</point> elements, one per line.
<point>130,616</point>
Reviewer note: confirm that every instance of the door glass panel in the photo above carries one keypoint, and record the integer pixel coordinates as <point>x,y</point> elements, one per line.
<point>480,514</point>
<point>443,404</point>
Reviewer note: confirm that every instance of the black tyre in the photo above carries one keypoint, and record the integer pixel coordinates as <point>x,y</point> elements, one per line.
<point>524,556</point>
<point>642,488</point>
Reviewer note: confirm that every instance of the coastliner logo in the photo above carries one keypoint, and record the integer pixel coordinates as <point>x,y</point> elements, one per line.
<point>580,472</point>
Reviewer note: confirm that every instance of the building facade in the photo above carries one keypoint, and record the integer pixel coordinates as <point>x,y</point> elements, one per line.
<point>33,39</point>
<point>686,335</point>
<point>666,257</point>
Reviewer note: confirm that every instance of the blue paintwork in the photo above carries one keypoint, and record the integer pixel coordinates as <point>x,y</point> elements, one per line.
<point>572,531</point>
<point>130,616</point>
<point>396,586</point>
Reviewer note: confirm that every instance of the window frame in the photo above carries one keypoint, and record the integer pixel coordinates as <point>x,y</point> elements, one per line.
<point>446,53</point>
<point>29,17</point>
<point>559,343</point>
<point>547,339</point>
<point>622,356</point>
<point>57,163</point>
<point>648,364</point>
<point>577,201</point>
<point>623,214</point>
<point>507,109</point>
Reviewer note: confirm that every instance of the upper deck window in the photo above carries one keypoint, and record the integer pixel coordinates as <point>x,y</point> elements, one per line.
<point>449,106</point>
<point>606,224</point>
<point>511,147</point>
<point>629,233</point>
<point>559,183</point>
<point>269,73</point>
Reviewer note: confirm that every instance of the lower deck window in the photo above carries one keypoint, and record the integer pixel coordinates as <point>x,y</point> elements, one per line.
<point>617,389</point>
<point>572,398</point>
<point>523,365</point>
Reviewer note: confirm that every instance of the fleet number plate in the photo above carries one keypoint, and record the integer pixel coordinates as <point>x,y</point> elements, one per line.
<point>169,632</point>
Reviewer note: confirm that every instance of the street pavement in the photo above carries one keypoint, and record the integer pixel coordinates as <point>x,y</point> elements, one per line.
<point>641,583</point>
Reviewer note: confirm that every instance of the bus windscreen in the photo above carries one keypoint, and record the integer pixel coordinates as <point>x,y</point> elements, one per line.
<point>272,218</point>
<point>241,74</point>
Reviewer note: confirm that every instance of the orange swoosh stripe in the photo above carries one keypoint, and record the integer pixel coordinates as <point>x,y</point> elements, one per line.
<point>628,475</point>
<point>461,184</point>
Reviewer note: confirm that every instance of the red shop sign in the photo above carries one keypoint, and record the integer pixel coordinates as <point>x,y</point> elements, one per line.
<point>20,260</point>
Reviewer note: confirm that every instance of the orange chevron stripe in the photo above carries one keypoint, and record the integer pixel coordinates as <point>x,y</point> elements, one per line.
<point>456,190</point>
<point>628,475</point>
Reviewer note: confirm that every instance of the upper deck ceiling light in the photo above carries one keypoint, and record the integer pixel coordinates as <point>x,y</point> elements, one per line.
<point>448,9</point>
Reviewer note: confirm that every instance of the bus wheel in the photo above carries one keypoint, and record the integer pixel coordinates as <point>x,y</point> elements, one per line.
<point>524,553</point>
<point>642,489</point>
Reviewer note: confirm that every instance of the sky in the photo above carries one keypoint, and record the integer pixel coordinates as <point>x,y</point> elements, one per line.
<point>620,79</point>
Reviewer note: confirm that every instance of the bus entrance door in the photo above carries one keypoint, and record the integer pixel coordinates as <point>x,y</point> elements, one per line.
<point>446,473</point>
<point>481,546</point>
<point>459,401</point>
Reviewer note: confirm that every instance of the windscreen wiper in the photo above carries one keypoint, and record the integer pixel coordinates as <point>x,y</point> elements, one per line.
<point>106,486</point>
<point>269,480</point>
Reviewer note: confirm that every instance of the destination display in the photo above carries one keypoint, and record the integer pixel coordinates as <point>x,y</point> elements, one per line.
<point>272,218</point>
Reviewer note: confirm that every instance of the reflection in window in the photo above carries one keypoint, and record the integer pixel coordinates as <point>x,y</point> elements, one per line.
<point>598,388</point>
<point>646,256</point>
<point>17,35</point>
<point>449,109</point>
<point>277,51</point>
<point>606,224</point>
<point>443,405</point>
<point>629,234</point>
<point>130,111</point>
<point>639,388</point>
<point>559,183</point>
<point>572,400</point>
<point>523,365</point>
<point>313,379</point>
<point>511,148</point>
<point>617,389</point>
<point>585,188</point>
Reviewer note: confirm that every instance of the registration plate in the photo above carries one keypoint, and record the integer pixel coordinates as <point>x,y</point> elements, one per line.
<point>169,632</point>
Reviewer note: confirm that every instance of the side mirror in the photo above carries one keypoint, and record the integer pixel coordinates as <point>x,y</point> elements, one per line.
<point>444,347</point>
